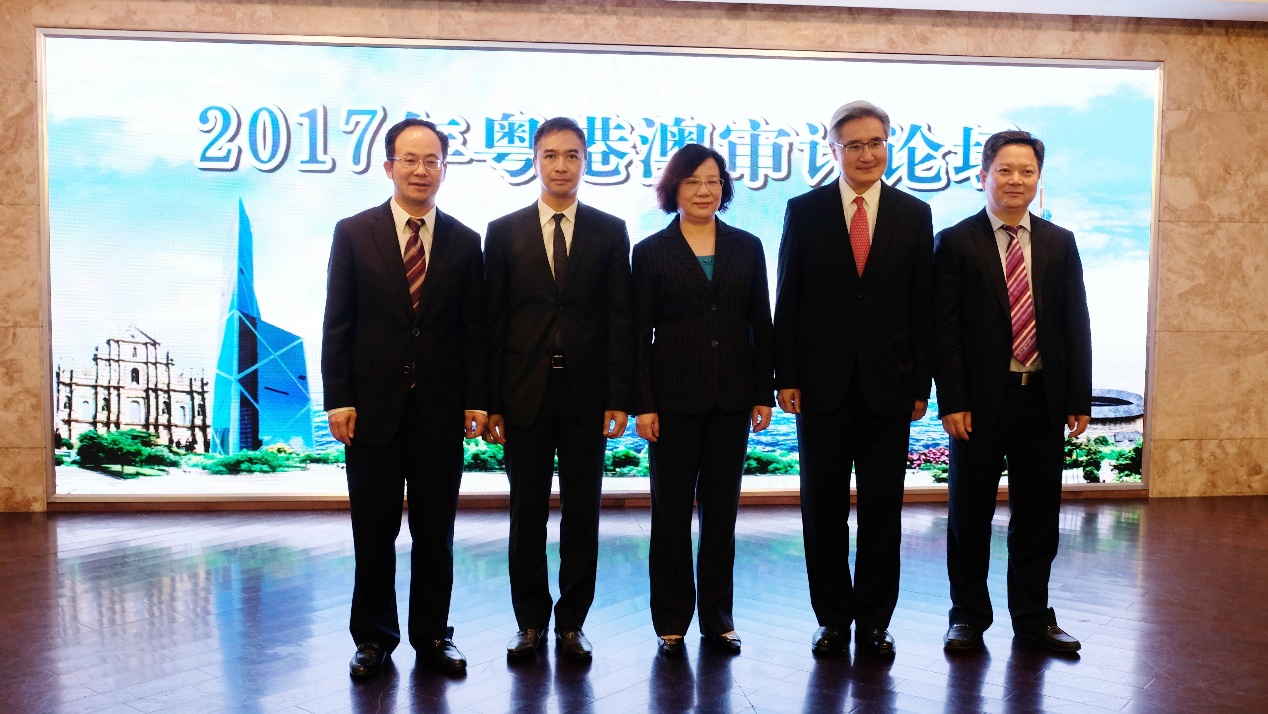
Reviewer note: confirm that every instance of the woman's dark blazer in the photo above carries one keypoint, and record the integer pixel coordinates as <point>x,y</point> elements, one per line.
<point>702,344</point>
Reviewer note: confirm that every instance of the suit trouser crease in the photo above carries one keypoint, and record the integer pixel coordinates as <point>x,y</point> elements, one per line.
<point>876,446</point>
<point>530,455</point>
<point>698,458</point>
<point>1025,439</point>
<point>378,477</point>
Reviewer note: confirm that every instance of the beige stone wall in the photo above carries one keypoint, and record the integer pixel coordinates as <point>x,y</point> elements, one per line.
<point>1210,348</point>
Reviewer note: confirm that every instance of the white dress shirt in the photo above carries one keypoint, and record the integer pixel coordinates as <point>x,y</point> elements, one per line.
<point>871,201</point>
<point>546,214</point>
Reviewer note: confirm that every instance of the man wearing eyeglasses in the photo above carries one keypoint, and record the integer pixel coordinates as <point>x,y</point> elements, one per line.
<point>405,368</point>
<point>852,361</point>
<point>561,323</point>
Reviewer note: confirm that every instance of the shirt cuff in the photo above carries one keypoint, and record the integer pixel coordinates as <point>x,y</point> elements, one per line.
<point>337,410</point>
<point>479,411</point>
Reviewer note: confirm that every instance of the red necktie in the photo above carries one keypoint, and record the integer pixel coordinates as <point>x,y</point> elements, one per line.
<point>859,241</point>
<point>415,261</point>
<point>1021,304</point>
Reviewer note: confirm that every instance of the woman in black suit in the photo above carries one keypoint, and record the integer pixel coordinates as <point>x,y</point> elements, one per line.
<point>704,358</point>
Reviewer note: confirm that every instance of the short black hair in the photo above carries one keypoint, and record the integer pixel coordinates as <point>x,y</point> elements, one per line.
<point>550,126</point>
<point>389,141</point>
<point>681,166</point>
<point>1001,139</point>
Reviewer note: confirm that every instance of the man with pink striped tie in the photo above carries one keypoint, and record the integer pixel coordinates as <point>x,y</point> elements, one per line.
<point>1013,365</point>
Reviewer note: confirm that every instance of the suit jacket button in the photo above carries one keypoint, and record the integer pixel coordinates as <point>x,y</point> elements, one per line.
<point>713,343</point>
<point>561,308</point>
<point>405,369</point>
<point>415,332</point>
<point>713,307</point>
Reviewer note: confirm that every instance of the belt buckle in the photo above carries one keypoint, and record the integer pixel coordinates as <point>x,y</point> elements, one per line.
<point>1025,378</point>
<point>556,361</point>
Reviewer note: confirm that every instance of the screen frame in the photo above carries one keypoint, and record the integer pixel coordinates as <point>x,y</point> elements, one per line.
<point>634,496</point>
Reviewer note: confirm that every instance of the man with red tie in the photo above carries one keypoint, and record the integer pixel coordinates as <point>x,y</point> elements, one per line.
<point>853,362</point>
<point>405,363</point>
<point>1013,363</point>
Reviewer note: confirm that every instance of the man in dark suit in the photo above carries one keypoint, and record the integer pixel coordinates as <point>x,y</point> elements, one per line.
<point>405,367</point>
<point>852,361</point>
<point>558,280</point>
<point>1013,359</point>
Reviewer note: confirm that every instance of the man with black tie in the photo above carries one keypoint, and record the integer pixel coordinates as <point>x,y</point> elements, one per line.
<point>1013,359</point>
<point>560,316</point>
<point>852,361</point>
<point>404,363</point>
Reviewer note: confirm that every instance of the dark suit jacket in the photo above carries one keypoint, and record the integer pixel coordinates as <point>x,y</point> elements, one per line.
<point>973,333</point>
<point>593,314</point>
<point>829,321</point>
<point>702,344</point>
<point>374,344</point>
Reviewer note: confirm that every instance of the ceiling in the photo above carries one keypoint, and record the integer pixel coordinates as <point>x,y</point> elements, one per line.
<point>1244,10</point>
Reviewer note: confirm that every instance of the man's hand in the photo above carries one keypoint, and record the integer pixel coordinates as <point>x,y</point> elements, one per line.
<point>918,412</point>
<point>343,426</point>
<point>473,423</point>
<point>648,426</point>
<point>495,429</point>
<point>614,423</point>
<point>959,425</point>
<point>790,400</point>
<point>759,417</point>
<point>1077,423</point>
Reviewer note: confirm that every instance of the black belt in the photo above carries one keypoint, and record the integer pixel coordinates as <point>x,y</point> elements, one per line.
<point>1025,379</point>
<point>557,361</point>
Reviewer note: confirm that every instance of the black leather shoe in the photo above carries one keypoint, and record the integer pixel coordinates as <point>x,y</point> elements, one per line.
<point>573,644</point>
<point>368,661</point>
<point>672,647</point>
<point>444,655</point>
<point>829,640</point>
<point>960,638</point>
<point>730,644</point>
<point>1051,637</point>
<point>525,644</point>
<point>877,643</point>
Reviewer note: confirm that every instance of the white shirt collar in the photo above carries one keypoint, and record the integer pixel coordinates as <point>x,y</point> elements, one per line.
<point>546,213</point>
<point>996,221</point>
<point>400,216</point>
<point>871,197</point>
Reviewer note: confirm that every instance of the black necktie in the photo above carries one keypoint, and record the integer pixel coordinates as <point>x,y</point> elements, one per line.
<point>560,252</point>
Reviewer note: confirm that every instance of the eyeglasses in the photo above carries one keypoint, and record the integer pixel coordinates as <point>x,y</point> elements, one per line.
<point>694,183</point>
<point>410,163</point>
<point>856,147</point>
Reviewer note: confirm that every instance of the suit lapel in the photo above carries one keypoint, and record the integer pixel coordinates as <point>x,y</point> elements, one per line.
<point>383,235</point>
<point>678,247</point>
<point>531,230</point>
<point>988,249</point>
<point>835,232</point>
<point>1039,247</point>
<point>723,249</point>
<point>581,240</point>
<point>438,258</point>
<point>882,235</point>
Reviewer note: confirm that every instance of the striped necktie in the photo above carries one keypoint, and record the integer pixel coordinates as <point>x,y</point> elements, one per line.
<point>415,261</point>
<point>1021,303</point>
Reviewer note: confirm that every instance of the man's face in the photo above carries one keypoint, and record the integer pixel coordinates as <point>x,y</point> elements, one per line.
<point>861,165</point>
<point>416,188</point>
<point>560,158</point>
<point>1011,181</point>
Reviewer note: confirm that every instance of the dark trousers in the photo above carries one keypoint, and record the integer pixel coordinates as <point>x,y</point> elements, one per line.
<point>876,446</point>
<point>698,458</point>
<point>378,477</point>
<point>1024,435</point>
<point>578,439</point>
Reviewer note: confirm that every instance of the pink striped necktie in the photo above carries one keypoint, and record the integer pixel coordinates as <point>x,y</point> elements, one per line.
<point>859,241</point>
<point>415,261</point>
<point>1021,303</point>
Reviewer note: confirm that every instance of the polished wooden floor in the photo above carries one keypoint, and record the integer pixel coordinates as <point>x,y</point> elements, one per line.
<point>247,612</point>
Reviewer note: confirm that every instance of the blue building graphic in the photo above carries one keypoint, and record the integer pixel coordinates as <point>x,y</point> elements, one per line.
<point>261,395</point>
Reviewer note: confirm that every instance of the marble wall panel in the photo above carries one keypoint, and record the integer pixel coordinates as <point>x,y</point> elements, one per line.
<point>22,478</point>
<point>1221,69</point>
<point>1208,467</point>
<point>639,22</point>
<point>1212,277</point>
<point>17,41</point>
<point>1213,167</point>
<point>21,278</point>
<point>19,152</point>
<point>22,397</point>
<point>1210,385</point>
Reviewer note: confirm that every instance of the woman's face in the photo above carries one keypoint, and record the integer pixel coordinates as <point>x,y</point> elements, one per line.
<point>700,194</point>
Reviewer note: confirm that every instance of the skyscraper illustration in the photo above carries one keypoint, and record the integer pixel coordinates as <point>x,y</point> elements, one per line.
<point>261,394</point>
